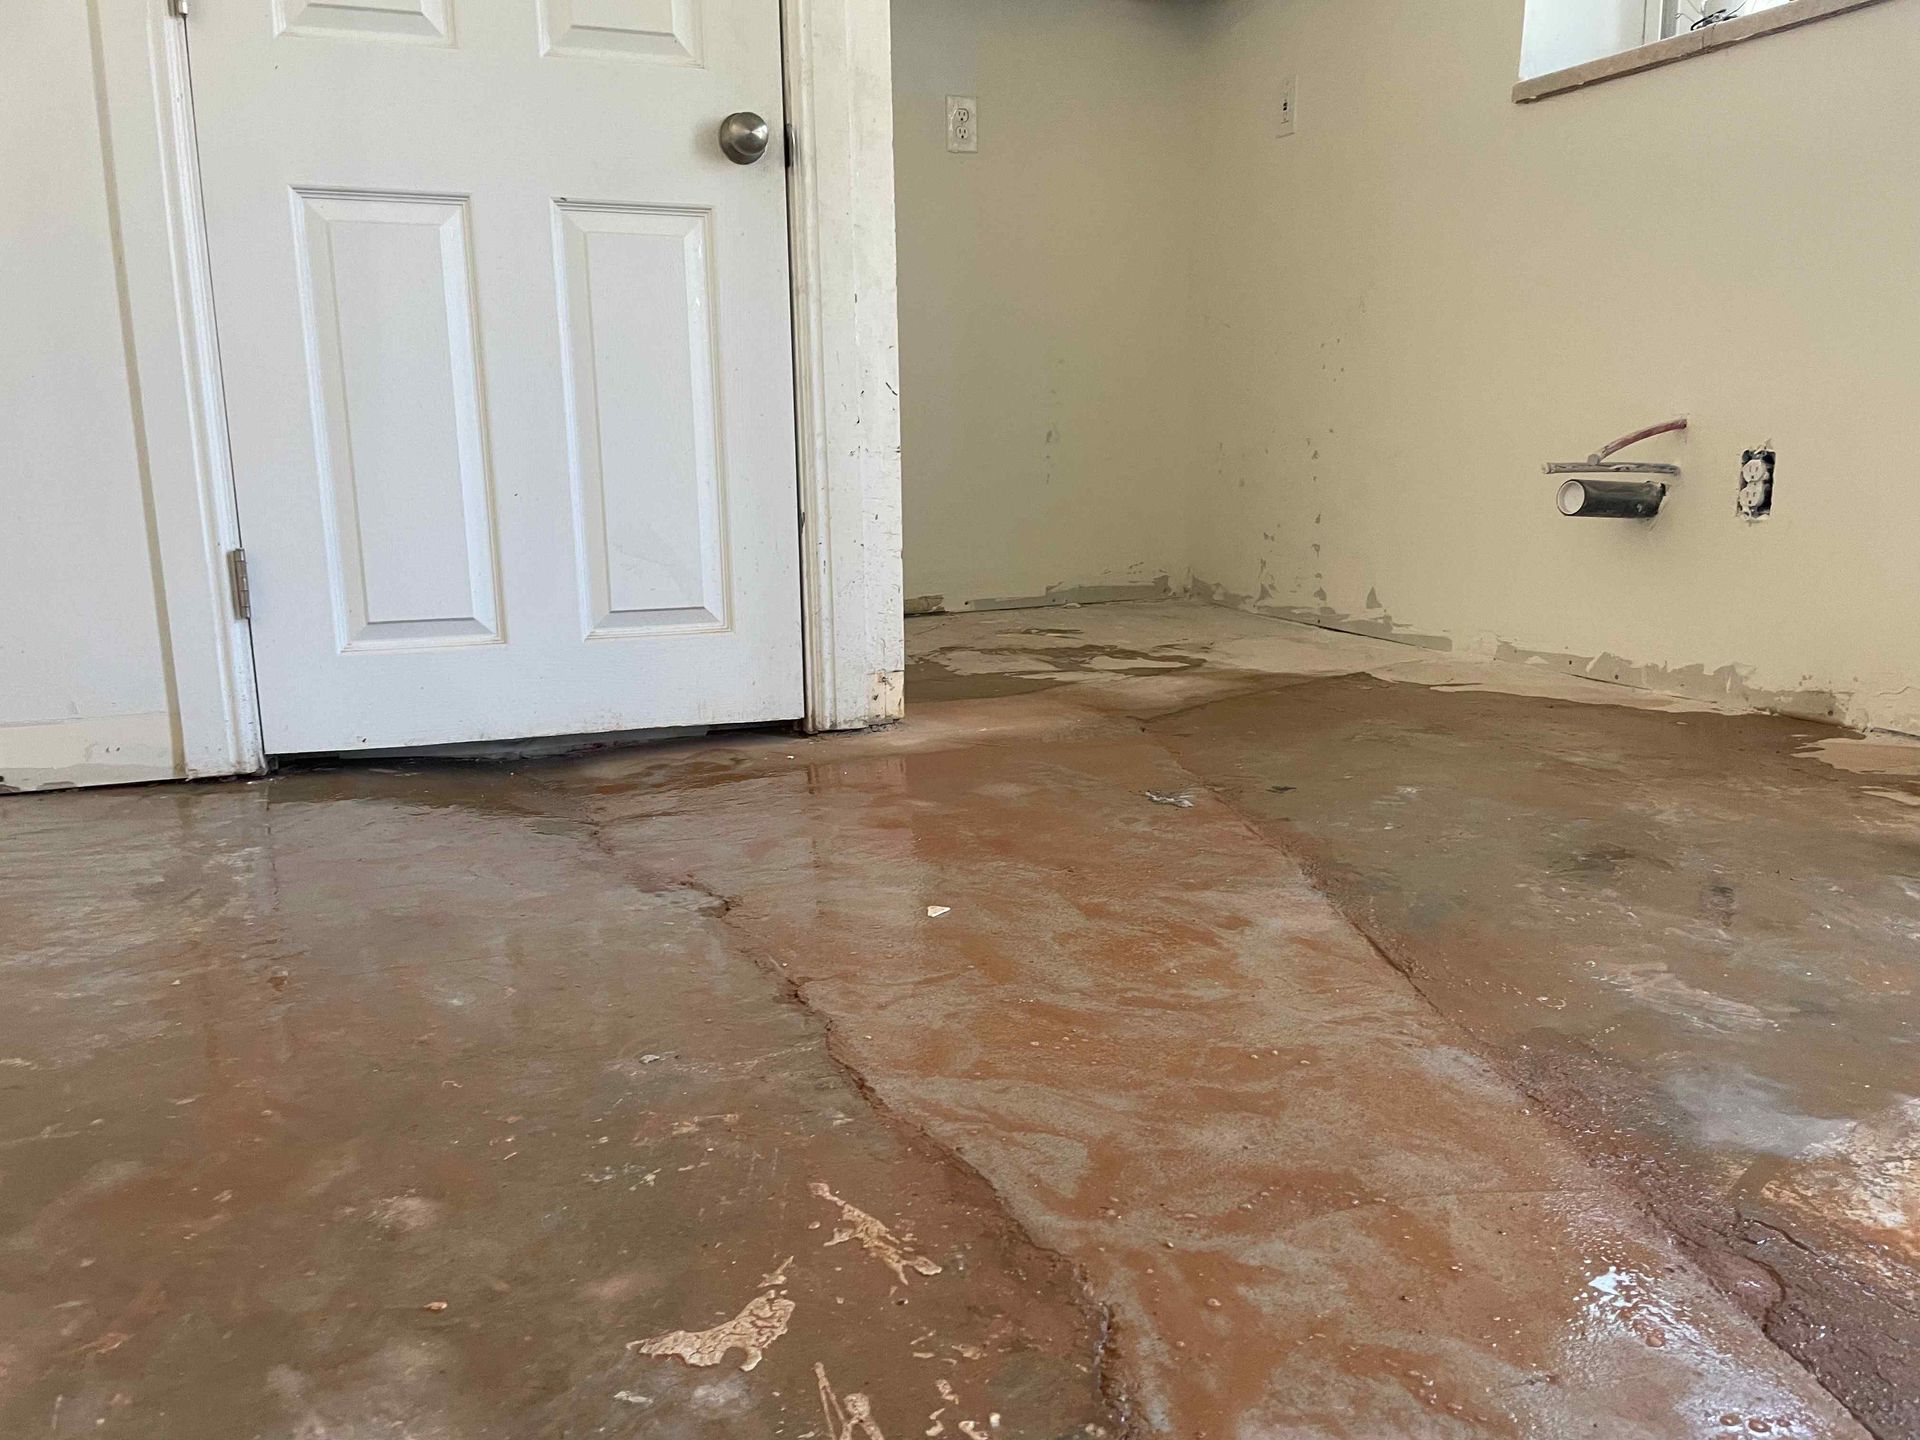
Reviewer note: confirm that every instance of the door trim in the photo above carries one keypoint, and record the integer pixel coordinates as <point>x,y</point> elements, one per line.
<point>837,58</point>
<point>840,216</point>
<point>174,373</point>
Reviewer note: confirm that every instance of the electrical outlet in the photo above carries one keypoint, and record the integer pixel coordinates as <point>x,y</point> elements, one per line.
<point>1756,483</point>
<point>1289,108</point>
<point>963,125</point>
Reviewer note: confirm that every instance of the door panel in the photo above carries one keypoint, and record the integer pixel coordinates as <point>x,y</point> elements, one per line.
<point>396,394</point>
<point>418,20</point>
<point>666,30</point>
<point>637,300</point>
<point>506,348</point>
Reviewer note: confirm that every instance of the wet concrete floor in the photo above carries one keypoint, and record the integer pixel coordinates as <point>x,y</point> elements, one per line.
<point>1695,944</point>
<point>1689,935</point>
<point>935,1082</point>
<point>373,1104</point>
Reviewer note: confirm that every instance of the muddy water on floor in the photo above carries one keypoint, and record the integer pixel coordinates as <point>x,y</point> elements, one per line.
<point>1692,939</point>
<point>1312,1210</point>
<point>992,671</point>
<point>385,1104</point>
<point>403,1103</point>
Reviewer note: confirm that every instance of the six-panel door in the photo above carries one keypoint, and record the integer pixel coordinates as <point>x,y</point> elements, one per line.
<point>508,370</point>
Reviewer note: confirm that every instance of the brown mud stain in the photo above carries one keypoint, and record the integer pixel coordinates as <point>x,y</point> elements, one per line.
<point>1686,936</point>
<point>1306,1205</point>
<point>515,1103</point>
<point>930,680</point>
<point>1190,1157</point>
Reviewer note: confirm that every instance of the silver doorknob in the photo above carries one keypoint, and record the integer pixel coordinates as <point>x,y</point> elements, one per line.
<point>744,137</point>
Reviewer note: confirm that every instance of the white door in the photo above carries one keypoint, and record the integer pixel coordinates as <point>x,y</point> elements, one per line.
<point>506,347</point>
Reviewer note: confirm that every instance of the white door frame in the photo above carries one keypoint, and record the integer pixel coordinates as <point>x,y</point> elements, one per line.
<point>841,220</point>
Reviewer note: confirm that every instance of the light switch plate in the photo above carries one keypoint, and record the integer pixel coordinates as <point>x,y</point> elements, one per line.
<point>1289,107</point>
<point>963,125</point>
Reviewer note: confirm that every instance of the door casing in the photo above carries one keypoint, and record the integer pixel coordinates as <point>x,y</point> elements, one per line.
<point>840,219</point>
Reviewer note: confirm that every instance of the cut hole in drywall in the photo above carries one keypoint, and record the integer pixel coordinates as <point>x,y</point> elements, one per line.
<point>1756,484</point>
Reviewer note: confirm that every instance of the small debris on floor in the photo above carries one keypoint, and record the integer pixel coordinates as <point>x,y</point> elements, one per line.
<point>934,912</point>
<point>893,1251</point>
<point>1183,800</point>
<point>848,1419</point>
<point>763,1321</point>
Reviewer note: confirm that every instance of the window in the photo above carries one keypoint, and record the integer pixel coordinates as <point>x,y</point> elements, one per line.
<point>1668,18</point>
<point>1598,39</point>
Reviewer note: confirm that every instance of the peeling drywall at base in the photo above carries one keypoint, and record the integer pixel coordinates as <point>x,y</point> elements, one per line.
<point>1732,686</point>
<point>94,750</point>
<point>1160,588</point>
<point>1728,686</point>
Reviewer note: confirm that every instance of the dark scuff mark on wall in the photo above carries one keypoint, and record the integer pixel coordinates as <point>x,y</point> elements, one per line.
<point>1383,627</point>
<point>1160,588</point>
<point>1324,617</point>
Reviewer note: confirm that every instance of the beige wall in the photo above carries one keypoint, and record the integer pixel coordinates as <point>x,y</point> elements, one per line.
<point>1428,291</point>
<point>1045,295</point>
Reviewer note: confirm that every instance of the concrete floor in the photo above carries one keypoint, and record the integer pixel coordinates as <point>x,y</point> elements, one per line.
<point>1450,1050</point>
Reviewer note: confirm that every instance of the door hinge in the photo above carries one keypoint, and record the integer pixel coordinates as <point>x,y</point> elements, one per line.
<point>179,7</point>
<point>237,582</point>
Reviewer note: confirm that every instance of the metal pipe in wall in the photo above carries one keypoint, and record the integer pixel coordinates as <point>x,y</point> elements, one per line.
<point>1612,499</point>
